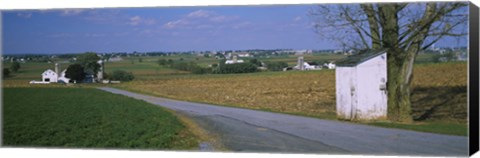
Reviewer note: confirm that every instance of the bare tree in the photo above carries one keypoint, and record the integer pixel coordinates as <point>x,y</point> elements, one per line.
<point>402,29</point>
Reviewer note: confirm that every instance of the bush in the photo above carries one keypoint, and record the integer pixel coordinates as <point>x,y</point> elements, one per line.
<point>121,75</point>
<point>276,66</point>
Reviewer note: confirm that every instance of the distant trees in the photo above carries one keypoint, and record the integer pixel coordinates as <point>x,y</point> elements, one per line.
<point>445,57</point>
<point>236,68</point>
<point>15,66</point>
<point>75,72</point>
<point>276,66</point>
<point>121,75</point>
<point>255,61</point>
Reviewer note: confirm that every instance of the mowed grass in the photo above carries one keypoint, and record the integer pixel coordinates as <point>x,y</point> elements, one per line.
<point>88,118</point>
<point>439,95</point>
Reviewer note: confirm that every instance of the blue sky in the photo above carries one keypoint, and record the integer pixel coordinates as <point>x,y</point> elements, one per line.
<point>161,29</point>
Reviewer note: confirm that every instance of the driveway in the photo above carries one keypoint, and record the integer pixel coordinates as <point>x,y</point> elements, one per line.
<point>259,131</point>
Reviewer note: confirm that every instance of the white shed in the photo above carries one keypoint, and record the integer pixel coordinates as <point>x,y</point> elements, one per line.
<point>361,86</point>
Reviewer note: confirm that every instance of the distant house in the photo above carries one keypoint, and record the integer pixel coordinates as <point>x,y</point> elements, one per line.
<point>115,59</point>
<point>302,65</point>
<point>330,65</point>
<point>234,60</point>
<point>361,80</point>
<point>307,66</point>
<point>244,54</point>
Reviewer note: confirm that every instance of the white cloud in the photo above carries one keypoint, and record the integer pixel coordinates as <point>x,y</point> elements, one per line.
<point>60,35</point>
<point>176,23</point>
<point>298,18</point>
<point>94,35</point>
<point>71,12</point>
<point>200,19</point>
<point>24,15</point>
<point>242,25</point>
<point>137,20</point>
<point>200,14</point>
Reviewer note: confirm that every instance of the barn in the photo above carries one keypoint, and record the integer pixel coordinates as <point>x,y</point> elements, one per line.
<point>49,76</point>
<point>361,86</point>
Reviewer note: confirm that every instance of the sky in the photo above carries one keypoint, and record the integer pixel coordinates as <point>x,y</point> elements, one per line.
<point>162,29</point>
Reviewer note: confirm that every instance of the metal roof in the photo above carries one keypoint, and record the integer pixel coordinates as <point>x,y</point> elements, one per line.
<point>354,60</point>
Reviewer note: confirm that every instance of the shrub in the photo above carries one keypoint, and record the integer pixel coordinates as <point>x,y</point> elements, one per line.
<point>121,75</point>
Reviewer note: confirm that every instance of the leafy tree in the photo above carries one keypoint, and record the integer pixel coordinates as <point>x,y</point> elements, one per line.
<point>89,61</point>
<point>402,29</point>
<point>6,72</point>
<point>121,75</point>
<point>15,66</point>
<point>75,72</point>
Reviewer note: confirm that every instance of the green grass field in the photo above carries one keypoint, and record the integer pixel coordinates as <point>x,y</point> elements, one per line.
<point>88,118</point>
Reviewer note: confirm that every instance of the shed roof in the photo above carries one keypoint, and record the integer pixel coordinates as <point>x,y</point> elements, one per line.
<point>354,60</point>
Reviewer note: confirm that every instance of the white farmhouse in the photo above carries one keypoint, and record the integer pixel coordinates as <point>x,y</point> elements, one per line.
<point>361,86</point>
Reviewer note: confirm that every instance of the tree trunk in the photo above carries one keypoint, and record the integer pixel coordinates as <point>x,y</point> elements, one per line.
<point>399,74</point>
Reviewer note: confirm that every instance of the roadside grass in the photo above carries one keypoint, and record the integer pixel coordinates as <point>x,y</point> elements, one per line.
<point>449,128</point>
<point>88,118</point>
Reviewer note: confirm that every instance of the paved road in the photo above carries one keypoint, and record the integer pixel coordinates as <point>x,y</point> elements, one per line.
<point>258,131</point>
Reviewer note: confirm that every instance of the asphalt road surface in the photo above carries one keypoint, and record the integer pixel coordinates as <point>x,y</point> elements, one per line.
<point>246,130</point>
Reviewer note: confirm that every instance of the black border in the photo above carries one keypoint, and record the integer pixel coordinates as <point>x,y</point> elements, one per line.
<point>473,79</point>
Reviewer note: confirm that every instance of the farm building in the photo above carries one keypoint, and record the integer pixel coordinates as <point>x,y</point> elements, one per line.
<point>361,86</point>
<point>234,60</point>
<point>302,65</point>
<point>49,76</point>
<point>55,76</point>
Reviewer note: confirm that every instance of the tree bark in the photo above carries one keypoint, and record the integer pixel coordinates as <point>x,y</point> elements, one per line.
<point>399,66</point>
<point>399,76</point>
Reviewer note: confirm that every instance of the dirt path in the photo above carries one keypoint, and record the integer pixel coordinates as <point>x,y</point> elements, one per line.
<point>258,131</point>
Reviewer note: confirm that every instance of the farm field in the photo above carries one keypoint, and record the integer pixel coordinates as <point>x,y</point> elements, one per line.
<point>88,118</point>
<point>439,90</point>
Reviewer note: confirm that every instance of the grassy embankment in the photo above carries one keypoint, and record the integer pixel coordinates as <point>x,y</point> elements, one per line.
<point>88,118</point>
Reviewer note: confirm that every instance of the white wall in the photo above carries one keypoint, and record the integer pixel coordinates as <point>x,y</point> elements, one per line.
<point>345,82</point>
<point>372,102</point>
<point>50,75</point>
<point>358,93</point>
